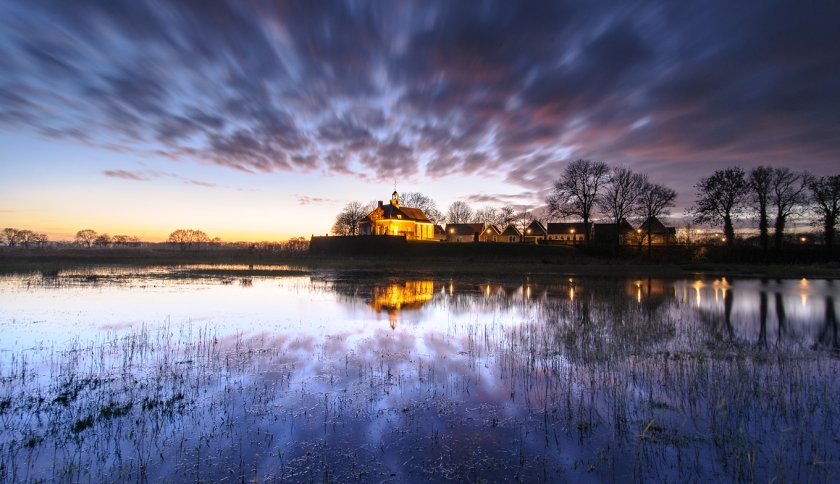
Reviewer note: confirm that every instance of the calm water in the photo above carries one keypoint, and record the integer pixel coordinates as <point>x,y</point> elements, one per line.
<point>202,372</point>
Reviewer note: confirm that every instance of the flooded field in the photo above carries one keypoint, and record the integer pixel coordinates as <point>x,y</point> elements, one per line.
<point>232,373</point>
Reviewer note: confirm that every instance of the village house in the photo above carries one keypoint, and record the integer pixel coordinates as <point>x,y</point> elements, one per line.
<point>393,219</point>
<point>659,233</point>
<point>491,233</point>
<point>464,232</point>
<point>511,234</point>
<point>566,233</point>
<point>534,232</point>
<point>606,233</point>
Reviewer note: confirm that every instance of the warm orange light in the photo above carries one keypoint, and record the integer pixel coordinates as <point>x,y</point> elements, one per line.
<point>802,239</point>
<point>572,231</point>
<point>451,231</point>
<point>528,231</point>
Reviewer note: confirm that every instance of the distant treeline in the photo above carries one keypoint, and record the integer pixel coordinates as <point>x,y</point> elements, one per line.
<point>181,239</point>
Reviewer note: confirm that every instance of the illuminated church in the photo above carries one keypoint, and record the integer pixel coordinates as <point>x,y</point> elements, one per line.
<point>392,219</point>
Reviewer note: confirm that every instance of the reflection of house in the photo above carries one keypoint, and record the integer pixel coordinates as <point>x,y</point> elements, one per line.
<point>392,219</point>
<point>566,233</point>
<point>659,233</point>
<point>534,232</point>
<point>511,234</point>
<point>491,233</point>
<point>607,233</point>
<point>463,232</point>
<point>396,297</point>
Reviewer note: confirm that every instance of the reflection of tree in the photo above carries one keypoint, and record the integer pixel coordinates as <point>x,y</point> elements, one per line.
<point>781,316</point>
<point>828,336</point>
<point>762,319</point>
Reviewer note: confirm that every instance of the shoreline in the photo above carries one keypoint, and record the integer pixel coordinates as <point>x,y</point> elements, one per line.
<point>48,261</point>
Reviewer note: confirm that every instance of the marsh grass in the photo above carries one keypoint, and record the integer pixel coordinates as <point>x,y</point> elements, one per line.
<point>541,389</point>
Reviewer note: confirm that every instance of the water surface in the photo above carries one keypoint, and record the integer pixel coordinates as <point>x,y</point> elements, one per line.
<point>209,372</point>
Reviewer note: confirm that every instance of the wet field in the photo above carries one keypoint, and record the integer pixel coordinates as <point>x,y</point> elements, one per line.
<point>224,373</point>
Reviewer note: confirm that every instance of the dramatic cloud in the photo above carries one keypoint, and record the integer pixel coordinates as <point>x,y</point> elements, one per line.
<point>379,90</point>
<point>147,175</point>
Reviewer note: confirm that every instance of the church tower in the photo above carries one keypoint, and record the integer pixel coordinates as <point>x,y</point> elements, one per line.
<point>395,199</point>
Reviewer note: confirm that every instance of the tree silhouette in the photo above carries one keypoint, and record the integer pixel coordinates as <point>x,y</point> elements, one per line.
<point>654,201</point>
<point>505,216</point>
<point>720,197</point>
<point>424,203</point>
<point>86,237</point>
<point>11,236</point>
<point>787,194</point>
<point>576,193</point>
<point>760,181</point>
<point>102,240</point>
<point>486,215</point>
<point>458,213</point>
<point>825,204</point>
<point>347,221</point>
<point>522,220</point>
<point>620,197</point>
<point>186,238</point>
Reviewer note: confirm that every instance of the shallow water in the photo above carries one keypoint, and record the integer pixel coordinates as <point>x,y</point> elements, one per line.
<point>209,372</point>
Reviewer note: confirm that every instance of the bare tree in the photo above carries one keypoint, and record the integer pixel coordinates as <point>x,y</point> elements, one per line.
<point>424,203</point>
<point>654,201</point>
<point>86,236</point>
<point>505,216</point>
<point>11,236</point>
<point>761,178</point>
<point>26,237</point>
<point>102,240</point>
<point>825,204</point>
<point>347,221</point>
<point>40,239</point>
<point>486,215</point>
<point>522,220</point>
<point>576,192</point>
<point>787,195</point>
<point>720,197</point>
<point>620,197</point>
<point>458,213</point>
<point>180,237</point>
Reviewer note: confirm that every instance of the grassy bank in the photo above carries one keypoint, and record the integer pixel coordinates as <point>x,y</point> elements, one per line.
<point>554,261</point>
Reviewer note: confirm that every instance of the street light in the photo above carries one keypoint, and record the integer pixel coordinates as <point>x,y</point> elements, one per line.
<point>574,240</point>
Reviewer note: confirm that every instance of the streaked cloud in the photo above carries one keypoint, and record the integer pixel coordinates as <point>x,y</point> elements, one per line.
<point>385,90</point>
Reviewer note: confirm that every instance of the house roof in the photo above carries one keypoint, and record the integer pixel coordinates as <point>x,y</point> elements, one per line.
<point>390,212</point>
<point>490,228</point>
<point>657,227</point>
<point>464,229</point>
<point>512,230</point>
<point>535,229</point>
<point>439,230</point>
<point>565,228</point>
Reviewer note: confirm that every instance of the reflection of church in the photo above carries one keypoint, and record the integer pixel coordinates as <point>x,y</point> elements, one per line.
<point>407,296</point>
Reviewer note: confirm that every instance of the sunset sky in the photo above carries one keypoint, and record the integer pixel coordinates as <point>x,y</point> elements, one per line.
<point>260,120</point>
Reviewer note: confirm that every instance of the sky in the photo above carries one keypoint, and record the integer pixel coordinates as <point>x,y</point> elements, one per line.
<point>261,120</point>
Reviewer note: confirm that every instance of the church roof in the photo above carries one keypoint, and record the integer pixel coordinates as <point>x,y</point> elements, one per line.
<point>657,227</point>
<point>391,212</point>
